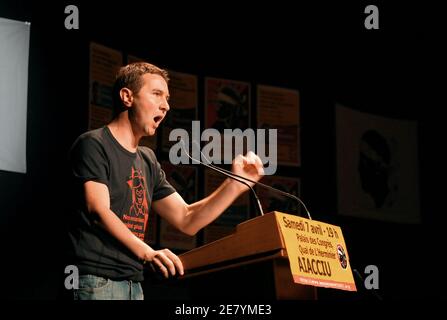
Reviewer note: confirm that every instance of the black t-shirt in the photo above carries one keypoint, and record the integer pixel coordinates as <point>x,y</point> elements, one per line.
<point>134,180</point>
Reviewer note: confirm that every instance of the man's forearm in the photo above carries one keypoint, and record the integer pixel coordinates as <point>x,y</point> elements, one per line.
<point>205,211</point>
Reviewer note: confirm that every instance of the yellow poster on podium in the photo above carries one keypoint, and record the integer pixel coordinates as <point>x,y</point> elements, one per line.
<point>317,253</point>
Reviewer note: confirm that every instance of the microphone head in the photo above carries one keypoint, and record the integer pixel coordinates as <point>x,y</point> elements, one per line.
<point>185,149</point>
<point>182,143</point>
<point>196,145</point>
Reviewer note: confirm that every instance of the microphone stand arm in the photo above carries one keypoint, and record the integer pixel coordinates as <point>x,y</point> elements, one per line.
<point>255,182</point>
<point>232,176</point>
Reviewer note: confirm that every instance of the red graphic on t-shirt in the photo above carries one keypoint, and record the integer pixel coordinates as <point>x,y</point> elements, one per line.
<point>138,215</point>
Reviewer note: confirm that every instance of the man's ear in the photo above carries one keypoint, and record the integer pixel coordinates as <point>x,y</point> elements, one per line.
<point>126,97</point>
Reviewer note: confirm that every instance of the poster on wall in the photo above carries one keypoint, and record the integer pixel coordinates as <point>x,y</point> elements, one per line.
<point>148,141</point>
<point>183,106</point>
<point>227,104</point>
<point>377,167</point>
<point>104,64</point>
<point>274,201</point>
<point>227,111</point>
<point>279,108</point>
<point>235,214</point>
<point>184,179</point>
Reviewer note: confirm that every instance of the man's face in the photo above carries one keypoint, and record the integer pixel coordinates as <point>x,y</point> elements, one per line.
<point>150,104</point>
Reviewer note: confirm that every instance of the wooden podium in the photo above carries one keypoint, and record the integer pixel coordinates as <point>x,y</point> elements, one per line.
<point>252,262</point>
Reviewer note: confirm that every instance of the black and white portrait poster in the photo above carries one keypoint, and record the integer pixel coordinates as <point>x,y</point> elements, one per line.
<point>377,167</point>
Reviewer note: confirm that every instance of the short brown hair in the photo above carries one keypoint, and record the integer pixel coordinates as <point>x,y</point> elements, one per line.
<point>129,77</point>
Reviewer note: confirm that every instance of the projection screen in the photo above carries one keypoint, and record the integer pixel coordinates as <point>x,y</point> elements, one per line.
<point>14,52</point>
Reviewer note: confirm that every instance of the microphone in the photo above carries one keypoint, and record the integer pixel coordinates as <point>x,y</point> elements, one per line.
<point>255,182</point>
<point>226,173</point>
<point>233,176</point>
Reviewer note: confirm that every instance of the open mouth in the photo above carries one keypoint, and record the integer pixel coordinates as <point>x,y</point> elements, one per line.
<point>158,119</point>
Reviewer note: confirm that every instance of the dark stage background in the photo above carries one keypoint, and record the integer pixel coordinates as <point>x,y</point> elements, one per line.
<point>322,50</point>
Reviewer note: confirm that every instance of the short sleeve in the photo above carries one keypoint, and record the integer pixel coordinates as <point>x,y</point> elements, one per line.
<point>162,187</point>
<point>88,161</point>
